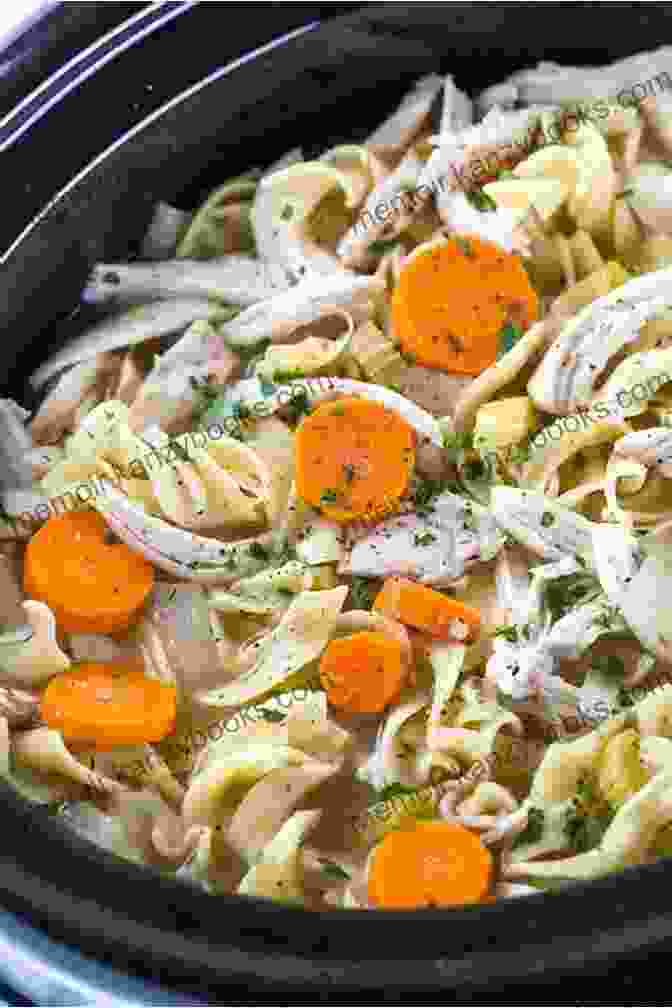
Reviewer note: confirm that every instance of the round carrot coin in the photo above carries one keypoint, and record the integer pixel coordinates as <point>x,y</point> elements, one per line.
<point>430,864</point>
<point>90,585</point>
<point>354,458</point>
<point>107,704</point>
<point>363,672</point>
<point>454,300</point>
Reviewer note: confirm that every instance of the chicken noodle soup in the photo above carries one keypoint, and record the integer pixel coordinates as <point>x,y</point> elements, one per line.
<point>336,561</point>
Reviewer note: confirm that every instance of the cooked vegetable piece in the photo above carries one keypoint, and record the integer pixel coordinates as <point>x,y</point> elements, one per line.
<point>217,789</point>
<point>109,704</point>
<point>211,230</point>
<point>454,298</point>
<point>585,256</point>
<point>90,585</point>
<point>654,253</point>
<point>354,458</point>
<point>363,672</point>
<point>596,183</point>
<point>543,196</point>
<point>426,609</point>
<point>620,772</point>
<point>430,864</point>
<point>504,422</point>
<point>376,355</point>
<point>268,805</point>
<point>278,875</point>
<point>296,641</point>
<point>318,354</point>
<point>584,292</point>
<point>30,656</point>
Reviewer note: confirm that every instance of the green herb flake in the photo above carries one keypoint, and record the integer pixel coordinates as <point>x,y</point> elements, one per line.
<point>334,871</point>
<point>520,453</point>
<point>586,793</point>
<point>588,818</point>
<point>271,715</point>
<point>287,376</point>
<point>509,633</point>
<point>475,470</point>
<point>611,665</point>
<point>382,245</point>
<point>363,593</point>
<point>286,554</point>
<point>424,494</point>
<point>625,698</point>
<point>205,388</point>
<point>298,406</point>
<point>608,619</point>
<point>424,538</point>
<point>534,830</point>
<point>578,827</point>
<point>55,808</point>
<point>469,520</point>
<point>567,592</point>
<point>602,620</point>
<point>259,552</point>
<point>395,791</point>
<point>287,212</point>
<point>481,201</point>
<point>465,246</point>
<point>329,496</point>
<point>508,337</point>
<point>241,411</point>
<point>456,444</point>
<point>547,519</point>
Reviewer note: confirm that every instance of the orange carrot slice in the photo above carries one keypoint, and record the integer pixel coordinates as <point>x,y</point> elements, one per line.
<point>429,864</point>
<point>363,672</point>
<point>454,299</point>
<point>109,704</point>
<point>90,585</point>
<point>354,458</point>
<point>425,609</point>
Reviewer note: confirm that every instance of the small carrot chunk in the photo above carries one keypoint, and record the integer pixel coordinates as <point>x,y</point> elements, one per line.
<point>363,672</point>
<point>354,459</point>
<point>90,585</point>
<point>454,299</point>
<point>430,864</point>
<point>428,610</point>
<point>109,704</point>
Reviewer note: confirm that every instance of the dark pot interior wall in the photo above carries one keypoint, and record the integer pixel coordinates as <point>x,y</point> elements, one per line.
<point>329,85</point>
<point>45,46</point>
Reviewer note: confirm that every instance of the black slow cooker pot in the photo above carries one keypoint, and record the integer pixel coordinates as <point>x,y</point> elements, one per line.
<point>112,117</point>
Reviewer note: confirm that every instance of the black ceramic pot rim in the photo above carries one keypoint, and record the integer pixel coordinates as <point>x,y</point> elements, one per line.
<point>141,921</point>
<point>77,66</point>
<point>87,63</point>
